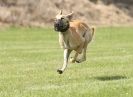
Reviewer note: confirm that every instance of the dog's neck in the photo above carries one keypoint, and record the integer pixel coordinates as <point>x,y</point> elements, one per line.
<point>65,32</point>
<point>65,37</point>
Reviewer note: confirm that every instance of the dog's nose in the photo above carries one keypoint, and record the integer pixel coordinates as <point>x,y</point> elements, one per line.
<point>56,26</point>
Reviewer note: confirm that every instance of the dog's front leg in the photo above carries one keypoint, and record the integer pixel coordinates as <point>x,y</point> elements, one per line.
<point>66,56</point>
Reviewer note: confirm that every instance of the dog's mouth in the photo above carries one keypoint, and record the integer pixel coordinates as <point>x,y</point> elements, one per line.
<point>61,25</point>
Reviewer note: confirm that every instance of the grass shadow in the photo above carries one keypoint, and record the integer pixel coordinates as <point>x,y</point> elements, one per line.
<point>109,78</point>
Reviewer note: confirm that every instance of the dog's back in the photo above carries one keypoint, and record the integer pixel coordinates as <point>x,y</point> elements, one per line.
<point>82,29</point>
<point>80,26</point>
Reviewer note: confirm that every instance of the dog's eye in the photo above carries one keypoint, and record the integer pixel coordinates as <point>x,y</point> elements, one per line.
<point>62,18</point>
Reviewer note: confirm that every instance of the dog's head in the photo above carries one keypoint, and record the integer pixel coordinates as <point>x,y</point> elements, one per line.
<point>61,23</point>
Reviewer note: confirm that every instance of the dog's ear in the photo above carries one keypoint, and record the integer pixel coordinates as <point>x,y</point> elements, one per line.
<point>60,13</point>
<point>69,16</point>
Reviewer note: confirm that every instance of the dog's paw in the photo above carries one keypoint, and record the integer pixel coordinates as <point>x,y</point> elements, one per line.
<point>80,60</point>
<point>59,71</point>
<point>72,60</point>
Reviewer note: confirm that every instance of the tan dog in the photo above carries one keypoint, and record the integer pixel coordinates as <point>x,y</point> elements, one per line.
<point>73,35</point>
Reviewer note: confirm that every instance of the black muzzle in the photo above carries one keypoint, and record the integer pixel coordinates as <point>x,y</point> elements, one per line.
<point>61,25</point>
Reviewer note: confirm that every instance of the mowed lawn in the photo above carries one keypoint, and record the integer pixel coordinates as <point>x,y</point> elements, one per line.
<point>29,58</point>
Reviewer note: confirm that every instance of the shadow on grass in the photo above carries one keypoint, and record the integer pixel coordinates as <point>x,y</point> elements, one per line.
<point>109,78</point>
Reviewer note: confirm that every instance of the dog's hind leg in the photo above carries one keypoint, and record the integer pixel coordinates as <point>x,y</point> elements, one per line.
<point>78,51</point>
<point>88,38</point>
<point>66,56</point>
<point>83,57</point>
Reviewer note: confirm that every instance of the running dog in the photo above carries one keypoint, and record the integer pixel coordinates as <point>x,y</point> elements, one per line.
<point>73,35</point>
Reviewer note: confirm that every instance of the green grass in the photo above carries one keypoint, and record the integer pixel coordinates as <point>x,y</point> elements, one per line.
<point>29,58</point>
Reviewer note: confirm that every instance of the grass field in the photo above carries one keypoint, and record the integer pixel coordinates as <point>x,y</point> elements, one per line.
<point>29,58</point>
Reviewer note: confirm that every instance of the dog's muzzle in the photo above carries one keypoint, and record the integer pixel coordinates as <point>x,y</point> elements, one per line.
<point>61,25</point>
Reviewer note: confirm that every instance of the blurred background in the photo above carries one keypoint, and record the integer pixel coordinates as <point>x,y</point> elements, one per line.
<point>42,12</point>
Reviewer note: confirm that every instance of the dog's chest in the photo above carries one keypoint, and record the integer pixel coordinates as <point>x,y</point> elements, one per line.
<point>69,41</point>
